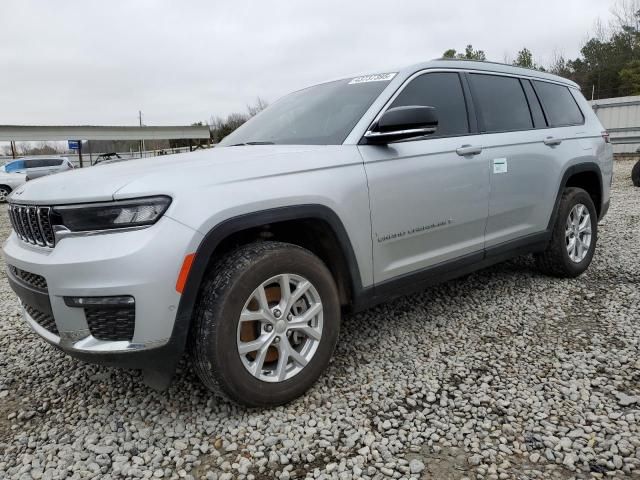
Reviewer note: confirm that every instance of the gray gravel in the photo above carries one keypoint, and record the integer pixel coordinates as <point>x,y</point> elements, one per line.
<point>503,374</point>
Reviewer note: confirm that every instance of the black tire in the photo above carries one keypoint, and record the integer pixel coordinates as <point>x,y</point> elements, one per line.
<point>555,259</point>
<point>635,174</point>
<point>4,193</point>
<point>224,292</point>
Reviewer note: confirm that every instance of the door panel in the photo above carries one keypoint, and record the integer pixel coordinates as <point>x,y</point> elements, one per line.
<point>426,208</point>
<point>524,191</point>
<point>522,167</point>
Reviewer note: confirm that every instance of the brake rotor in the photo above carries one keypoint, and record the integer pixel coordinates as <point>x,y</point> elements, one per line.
<point>251,330</point>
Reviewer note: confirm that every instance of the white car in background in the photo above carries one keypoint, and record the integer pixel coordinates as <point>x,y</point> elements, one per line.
<point>39,166</point>
<point>9,181</point>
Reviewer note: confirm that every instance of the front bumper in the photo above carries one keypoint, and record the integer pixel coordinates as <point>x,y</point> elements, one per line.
<point>143,264</point>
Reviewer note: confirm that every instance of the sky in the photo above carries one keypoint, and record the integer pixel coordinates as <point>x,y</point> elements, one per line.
<point>90,62</point>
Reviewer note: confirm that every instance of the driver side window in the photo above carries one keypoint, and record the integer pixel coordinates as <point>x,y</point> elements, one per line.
<point>442,90</point>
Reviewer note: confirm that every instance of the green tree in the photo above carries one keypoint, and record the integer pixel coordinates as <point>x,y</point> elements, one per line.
<point>524,59</point>
<point>630,78</point>
<point>451,53</point>
<point>469,54</point>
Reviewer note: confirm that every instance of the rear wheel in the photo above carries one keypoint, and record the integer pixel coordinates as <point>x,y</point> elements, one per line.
<point>266,324</point>
<point>574,236</point>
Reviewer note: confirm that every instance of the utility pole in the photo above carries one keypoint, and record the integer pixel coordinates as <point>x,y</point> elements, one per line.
<point>141,141</point>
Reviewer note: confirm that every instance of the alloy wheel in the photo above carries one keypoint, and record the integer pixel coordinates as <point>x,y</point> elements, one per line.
<point>280,328</point>
<point>578,233</point>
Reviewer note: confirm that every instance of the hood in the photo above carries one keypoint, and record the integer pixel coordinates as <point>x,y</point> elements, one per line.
<point>171,173</point>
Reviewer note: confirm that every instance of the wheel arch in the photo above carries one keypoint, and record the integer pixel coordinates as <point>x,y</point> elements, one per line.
<point>587,176</point>
<point>275,223</point>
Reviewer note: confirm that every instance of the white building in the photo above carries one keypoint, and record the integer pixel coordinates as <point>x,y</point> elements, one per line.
<point>621,117</point>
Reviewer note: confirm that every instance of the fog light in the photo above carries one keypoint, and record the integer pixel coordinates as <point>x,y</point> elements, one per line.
<point>80,302</point>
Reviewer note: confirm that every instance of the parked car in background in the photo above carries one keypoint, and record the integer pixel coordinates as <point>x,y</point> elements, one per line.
<point>635,174</point>
<point>39,167</point>
<point>9,181</point>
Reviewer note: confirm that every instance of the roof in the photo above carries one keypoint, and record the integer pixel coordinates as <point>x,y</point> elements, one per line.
<point>489,67</point>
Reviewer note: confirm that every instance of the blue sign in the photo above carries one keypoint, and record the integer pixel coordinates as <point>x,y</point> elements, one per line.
<point>74,144</point>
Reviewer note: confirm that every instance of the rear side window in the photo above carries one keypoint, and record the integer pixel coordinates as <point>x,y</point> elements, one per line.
<point>52,162</point>
<point>501,103</point>
<point>443,91</point>
<point>560,106</point>
<point>34,163</point>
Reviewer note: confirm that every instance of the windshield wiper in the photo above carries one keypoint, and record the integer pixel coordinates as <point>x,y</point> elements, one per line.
<point>251,143</point>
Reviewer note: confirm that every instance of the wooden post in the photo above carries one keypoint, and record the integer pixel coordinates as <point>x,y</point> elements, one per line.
<point>80,153</point>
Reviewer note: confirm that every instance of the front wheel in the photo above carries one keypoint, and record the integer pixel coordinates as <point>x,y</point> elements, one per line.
<point>4,193</point>
<point>266,325</point>
<point>574,236</point>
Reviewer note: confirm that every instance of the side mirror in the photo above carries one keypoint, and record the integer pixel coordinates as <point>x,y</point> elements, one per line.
<point>403,122</point>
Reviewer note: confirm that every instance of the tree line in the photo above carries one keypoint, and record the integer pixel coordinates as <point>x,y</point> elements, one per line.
<point>609,61</point>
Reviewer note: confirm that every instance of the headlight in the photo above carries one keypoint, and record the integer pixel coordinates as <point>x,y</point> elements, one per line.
<point>109,215</point>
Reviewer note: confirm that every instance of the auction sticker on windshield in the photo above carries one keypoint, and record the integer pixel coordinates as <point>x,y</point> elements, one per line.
<point>376,77</point>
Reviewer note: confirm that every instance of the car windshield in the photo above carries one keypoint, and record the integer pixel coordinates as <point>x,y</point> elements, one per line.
<point>13,166</point>
<point>320,115</point>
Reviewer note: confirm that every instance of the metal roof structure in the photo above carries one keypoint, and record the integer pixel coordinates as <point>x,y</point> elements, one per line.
<point>93,132</point>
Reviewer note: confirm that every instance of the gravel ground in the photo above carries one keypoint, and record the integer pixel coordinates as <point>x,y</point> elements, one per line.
<point>503,374</point>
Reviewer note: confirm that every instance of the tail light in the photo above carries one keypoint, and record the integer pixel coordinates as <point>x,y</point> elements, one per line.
<point>605,136</point>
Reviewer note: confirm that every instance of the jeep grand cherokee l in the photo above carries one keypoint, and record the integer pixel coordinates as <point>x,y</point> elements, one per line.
<point>334,198</point>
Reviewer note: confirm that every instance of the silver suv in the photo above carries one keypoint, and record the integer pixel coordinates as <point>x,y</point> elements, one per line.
<point>335,198</point>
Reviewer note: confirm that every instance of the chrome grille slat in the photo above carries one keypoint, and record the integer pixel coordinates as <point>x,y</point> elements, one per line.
<point>32,217</point>
<point>20,225</point>
<point>45,225</point>
<point>32,224</point>
<point>25,222</point>
<point>12,217</point>
<point>23,227</point>
<point>16,212</point>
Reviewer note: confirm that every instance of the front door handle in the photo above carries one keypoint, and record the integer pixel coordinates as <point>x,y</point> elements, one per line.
<point>465,150</point>
<point>552,142</point>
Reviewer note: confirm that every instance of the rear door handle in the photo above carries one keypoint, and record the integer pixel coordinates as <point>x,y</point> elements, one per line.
<point>465,150</point>
<point>552,142</point>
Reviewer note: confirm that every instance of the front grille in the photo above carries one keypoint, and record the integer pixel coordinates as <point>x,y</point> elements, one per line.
<point>32,224</point>
<point>111,324</point>
<point>43,319</point>
<point>31,279</point>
